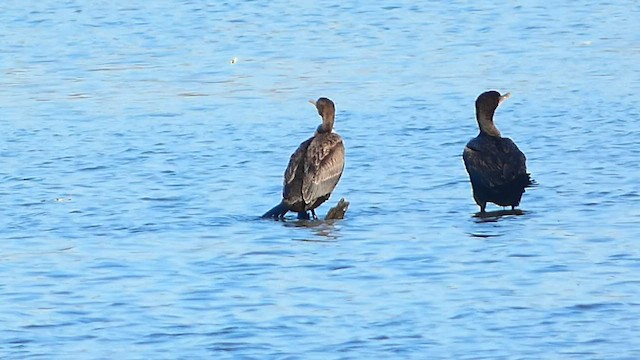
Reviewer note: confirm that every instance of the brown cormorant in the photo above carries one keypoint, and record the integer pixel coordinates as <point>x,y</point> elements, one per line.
<point>496,166</point>
<point>314,168</point>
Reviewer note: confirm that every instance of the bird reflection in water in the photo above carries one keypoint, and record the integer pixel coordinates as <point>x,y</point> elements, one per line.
<point>324,230</point>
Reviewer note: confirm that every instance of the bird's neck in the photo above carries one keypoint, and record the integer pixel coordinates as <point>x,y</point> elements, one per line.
<point>485,122</point>
<point>327,123</point>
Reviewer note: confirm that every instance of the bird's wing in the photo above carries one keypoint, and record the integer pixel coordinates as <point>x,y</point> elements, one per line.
<point>324,164</point>
<point>493,162</point>
<point>295,163</point>
<point>515,161</point>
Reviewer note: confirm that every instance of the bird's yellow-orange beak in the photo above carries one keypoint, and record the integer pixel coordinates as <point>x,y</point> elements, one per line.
<point>504,97</point>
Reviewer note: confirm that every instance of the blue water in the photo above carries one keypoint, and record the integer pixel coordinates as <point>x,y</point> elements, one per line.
<point>140,142</point>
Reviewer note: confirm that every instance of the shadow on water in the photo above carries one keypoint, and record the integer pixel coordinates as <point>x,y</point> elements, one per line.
<point>324,229</point>
<point>493,216</point>
<point>311,224</point>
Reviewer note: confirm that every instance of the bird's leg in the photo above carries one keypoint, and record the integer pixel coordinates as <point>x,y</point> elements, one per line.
<point>313,213</point>
<point>482,207</point>
<point>303,215</point>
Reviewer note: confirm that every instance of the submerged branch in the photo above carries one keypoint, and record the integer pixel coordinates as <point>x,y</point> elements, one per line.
<point>338,211</point>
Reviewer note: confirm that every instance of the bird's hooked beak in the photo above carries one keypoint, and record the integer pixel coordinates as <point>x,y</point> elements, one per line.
<point>504,97</point>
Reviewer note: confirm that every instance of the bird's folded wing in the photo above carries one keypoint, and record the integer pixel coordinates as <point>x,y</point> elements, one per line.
<point>295,162</point>
<point>323,167</point>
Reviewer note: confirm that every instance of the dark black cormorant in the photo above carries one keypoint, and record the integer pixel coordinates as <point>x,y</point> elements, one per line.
<point>314,168</point>
<point>496,166</point>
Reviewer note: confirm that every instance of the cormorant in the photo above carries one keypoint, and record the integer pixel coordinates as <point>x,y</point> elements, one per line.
<point>314,168</point>
<point>496,166</point>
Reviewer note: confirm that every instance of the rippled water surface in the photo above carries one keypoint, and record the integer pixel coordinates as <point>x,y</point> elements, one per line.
<point>140,143</point>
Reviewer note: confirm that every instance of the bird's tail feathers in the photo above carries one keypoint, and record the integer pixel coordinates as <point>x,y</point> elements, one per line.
<point>528,181</point>
<point>277,211</point>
